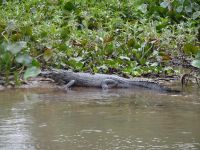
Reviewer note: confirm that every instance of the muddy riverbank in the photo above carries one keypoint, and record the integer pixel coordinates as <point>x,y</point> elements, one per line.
<point>41,82</point>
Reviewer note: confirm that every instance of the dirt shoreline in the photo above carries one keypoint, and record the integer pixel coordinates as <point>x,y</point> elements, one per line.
<point>36,82</point>
<point>41,82</point>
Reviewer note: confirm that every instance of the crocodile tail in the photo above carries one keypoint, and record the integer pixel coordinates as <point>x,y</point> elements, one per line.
<point>167,89</point>
<point>155,86</point>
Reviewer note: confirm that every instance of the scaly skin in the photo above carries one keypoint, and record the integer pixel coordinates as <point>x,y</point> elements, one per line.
<point>101,80</point>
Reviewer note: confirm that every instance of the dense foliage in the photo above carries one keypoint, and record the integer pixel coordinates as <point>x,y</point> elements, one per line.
<point>128,37</point>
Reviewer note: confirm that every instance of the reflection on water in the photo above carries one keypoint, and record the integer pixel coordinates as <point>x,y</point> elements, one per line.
<point>92,119</point>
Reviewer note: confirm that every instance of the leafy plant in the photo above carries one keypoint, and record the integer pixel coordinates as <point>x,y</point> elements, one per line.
<point>14,57</point>
<point>123,37</point>
<point>196,61</point>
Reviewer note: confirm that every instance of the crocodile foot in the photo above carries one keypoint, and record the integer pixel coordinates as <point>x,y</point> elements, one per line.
<point>69,85</point>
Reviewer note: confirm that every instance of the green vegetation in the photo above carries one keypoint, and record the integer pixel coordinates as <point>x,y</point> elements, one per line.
<point>127,37</point>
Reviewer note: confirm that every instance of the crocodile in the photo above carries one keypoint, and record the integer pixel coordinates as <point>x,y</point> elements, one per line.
<point>104,81</point>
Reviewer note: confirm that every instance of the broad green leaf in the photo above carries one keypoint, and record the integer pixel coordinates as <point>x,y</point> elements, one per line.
<point>109,48</point>
<point>15,48</point>
<point>75,62</point>
<point>104,67</point>
<point>196,63</point>
<point>124,58</point>
<point>10,25</point>
<point>179,9</point>
<point>128,70</point>
<point>35,63</point>
<point>131,43</point>
<point>198,55</point>
<point>48,54</point>
<point>31,72</point>
<point>110,62</point>
<point>196,6</point>
<point>143,8</point>
<point>188,9</point>
<point>190,49</point>
<point>65,32</point>
<point>69,6</point>
<point>24,59</point>
<point>196,15</point>
<point>155,64</point>
<point>164,4</point>
<point>181,1</point>
<point>27,30</point>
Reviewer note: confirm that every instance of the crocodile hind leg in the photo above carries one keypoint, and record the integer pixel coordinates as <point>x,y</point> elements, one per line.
<point>69,85</point>
<point>108,83</point>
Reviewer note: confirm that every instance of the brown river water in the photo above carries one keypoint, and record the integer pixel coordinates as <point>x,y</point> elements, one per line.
<point>93,119</point>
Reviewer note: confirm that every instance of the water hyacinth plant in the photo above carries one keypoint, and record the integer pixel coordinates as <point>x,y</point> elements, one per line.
<point>122,37</point>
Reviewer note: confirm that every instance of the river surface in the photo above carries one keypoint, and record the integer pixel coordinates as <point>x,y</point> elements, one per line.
<point>93,119</point>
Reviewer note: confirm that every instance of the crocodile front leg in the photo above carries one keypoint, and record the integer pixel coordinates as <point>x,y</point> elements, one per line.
<point>108,83</point>
<point>69,85</point>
